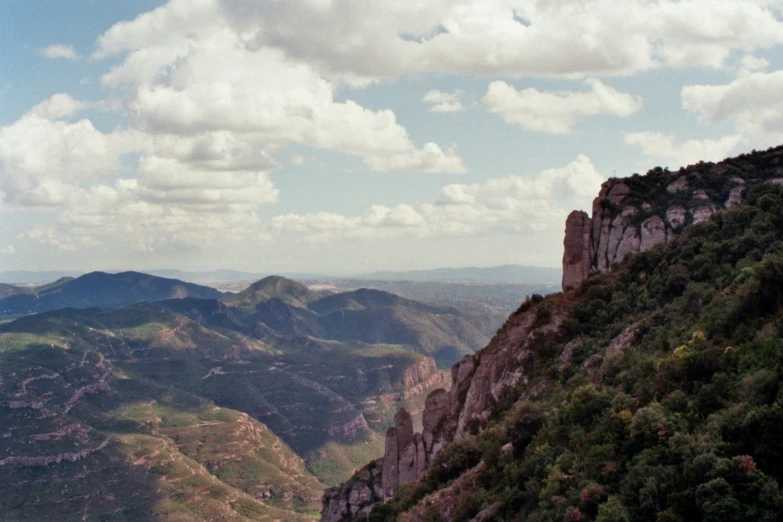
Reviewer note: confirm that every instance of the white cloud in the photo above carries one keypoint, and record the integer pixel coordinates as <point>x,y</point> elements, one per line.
<point>219,82</point>
<point>512,205</point>
<point>429,158</point>
<point>754,96</point>
<point>750,63</point>
<point>8,249</point>
<point>443,101</point>
<point>57,106</point>
<point>60,51</point>
<point>556,112</point>
<point>751,102</point>
<point>43,161</point>
<point>665,147</point>
<point>359,39</point>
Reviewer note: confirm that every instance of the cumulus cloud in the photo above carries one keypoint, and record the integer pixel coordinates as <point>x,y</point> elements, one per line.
<point>511,205</point>
<point>42,161</point>
<point>60,51</point>
<point>359,39</point>
<point>200,75</point>
<point>751,102</point>
<point>57,106</point>
<point>8,249</point>
<point>664,147</point>
<point>556,112</point>
<point>443,101</point>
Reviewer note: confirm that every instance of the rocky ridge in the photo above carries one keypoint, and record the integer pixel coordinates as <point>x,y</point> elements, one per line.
<point>635,214</point>
<point>630,215</point>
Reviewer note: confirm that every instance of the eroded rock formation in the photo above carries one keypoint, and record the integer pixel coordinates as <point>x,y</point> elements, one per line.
<point>624,220</point>
<point>478,382</point>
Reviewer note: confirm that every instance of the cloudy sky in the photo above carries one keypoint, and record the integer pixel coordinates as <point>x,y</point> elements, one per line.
<point>340,136</point>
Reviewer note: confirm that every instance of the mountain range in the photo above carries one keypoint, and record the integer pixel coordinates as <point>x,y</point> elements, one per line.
<point>172,400</point>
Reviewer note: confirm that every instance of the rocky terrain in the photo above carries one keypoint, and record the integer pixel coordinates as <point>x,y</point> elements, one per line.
<point>635,214</point>
<point>629,396</point>
<point>207,409</point>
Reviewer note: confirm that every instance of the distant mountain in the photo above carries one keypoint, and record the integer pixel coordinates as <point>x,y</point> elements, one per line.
<point>284,307</point>
<point>509,274</point>
<point>273,287</point>
<point>168,407</point>
<point>9,290</point>
<point>99,289</point>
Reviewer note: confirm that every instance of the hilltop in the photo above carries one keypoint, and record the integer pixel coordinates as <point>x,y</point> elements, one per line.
<point>649,389</point>
<point>99,289</point>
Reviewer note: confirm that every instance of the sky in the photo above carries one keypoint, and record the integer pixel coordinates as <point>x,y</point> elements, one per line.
<point>348,136</point>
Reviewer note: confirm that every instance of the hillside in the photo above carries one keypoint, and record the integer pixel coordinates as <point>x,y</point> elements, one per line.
<point>164,414</point>
<point>281,307</point>
<point>99,289</point>
<point>649,390</point>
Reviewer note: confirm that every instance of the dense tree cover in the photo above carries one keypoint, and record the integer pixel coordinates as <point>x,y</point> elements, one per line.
<point>684,424</point>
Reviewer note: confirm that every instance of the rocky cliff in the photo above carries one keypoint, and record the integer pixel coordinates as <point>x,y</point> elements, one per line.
<point>629,215</point>
<point>478,382</point>
<point>635,214</point>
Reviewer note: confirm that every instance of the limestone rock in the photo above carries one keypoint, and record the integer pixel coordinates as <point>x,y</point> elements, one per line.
<point>735,197</point>
<point>680,185</point>
<point>653,233</point>
<point>700,195</point>
<point>703,213</point>
<point>675,216</point>
<point>357,496</point>
<point>436,409</point>
<point>618,192</point>
<point>390,475</point>
<point>576,248</point>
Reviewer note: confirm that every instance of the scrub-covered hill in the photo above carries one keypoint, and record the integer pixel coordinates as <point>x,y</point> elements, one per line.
<point>649,391</point>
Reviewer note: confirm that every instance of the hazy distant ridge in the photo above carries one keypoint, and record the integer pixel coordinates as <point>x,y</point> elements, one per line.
<point>495,274</point>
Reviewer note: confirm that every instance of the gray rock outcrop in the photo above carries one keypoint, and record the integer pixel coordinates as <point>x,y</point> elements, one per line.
<point>576,248</point>
<point>624,221</point>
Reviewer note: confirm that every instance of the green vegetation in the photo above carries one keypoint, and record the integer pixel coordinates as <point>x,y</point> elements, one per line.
<point>189,409</point>
<point>681,424</point>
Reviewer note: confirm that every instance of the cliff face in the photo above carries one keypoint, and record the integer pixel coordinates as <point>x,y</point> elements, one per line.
<point>635,214</point>
<point>478,381</point>
<point>630,215</point>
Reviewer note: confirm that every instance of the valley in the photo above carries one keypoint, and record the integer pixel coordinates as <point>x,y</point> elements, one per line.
<point>235,408</point>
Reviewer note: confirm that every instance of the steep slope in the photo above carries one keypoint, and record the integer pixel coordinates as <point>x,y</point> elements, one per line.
<point>167,411</point>
<point>651,391</point>
<point>87,441</point>
<point>99,289</point>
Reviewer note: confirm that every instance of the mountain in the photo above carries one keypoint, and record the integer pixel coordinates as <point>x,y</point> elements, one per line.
<point>270,287</point>
<point>507,274</point>
<point>369,316</point>
<point>238,408</point>
<point>9,290</point>
<point>650,389</point>
<point>173,410</point>
<point>99,289</point>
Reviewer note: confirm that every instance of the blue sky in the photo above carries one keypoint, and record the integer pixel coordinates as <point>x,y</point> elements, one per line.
<point>343,136</point>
